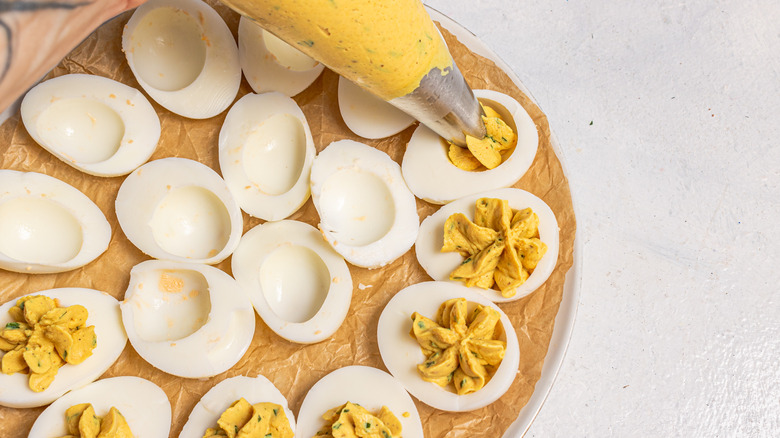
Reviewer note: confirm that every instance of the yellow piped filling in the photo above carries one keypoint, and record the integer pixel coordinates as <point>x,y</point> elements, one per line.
<point>82,422</point>
<point>488,152</point>
<point>244,420</point>
<point>351,420</point>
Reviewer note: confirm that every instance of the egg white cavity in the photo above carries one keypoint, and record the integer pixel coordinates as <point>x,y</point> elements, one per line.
<point>183,54</point>
<point>367,115</point>
<point>298,285</point>
<point>270,64</point>
<point>47,225</point>
<point>143,404</point>
<point>181,210</point>
<point>97,125</point>
<point>432,176</point>
<point>367,213</point>
<point>401,353</point>
<point>104,314</point>
<point>265,154</point>
<point>211,406</point>
<point>366,386</point>
<point>439,264</point>
<point>187,319</point>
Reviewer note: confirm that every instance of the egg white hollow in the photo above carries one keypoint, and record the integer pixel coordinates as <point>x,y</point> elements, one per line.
<point>211,406</point>
<point>143,404</point>
<point>367,214</point>
<point>439,264</point>
<point>97,125</point>
<point>187,319</point>
<point>299,285</point>
<point>181,210</point>
<point>270,64</point>
<point>367,115</point>
<point>401,353</point>
<point>184,56</point>
<point>369,387</point>
<point>431,175</point>
<point>265,154</point>
<point>47,225</point>
<point>103,313</point>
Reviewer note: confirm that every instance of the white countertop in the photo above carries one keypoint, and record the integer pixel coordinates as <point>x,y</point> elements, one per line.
<point>668,114</point>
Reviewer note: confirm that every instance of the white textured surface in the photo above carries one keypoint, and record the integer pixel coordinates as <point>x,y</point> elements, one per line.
<point>676,184</point>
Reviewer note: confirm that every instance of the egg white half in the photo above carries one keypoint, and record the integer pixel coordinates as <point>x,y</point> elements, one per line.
<point>367,115</point>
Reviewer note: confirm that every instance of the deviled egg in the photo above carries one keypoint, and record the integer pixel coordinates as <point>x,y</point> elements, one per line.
<point>265,155</point>
<point>367,115</point>
<point>187,319</point>
<point>401,353</point>
<point>431,175</point>
<point>103,314</point>
<point>47,225</point>
<point>367,214</point>
<point>97,125</point>
<point>270,64</point>
<point>181,210</point>
<point>184,56</point>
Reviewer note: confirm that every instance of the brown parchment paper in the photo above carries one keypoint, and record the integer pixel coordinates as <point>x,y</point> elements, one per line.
<point>294,368</point>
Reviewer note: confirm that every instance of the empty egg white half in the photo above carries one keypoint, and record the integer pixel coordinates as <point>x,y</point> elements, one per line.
<point>431,175</point>
<point>439,264</point>
<point>401,353</point>
<point>265,155</point>
<point>143,404</point>
<point>366,386</point>
<point>211,406</point>
<point>47,225</point>
<point>179,209</point>
<point>270,64</point>
<point>299,286</point>
<point>95,124</point>
<point>104,314</point>
<point>367,214</point>
<point>367,115</point>
<point>184,56</point>
<point>187,319</point>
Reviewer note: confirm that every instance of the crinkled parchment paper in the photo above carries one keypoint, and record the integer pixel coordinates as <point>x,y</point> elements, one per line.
<point>294,368</point>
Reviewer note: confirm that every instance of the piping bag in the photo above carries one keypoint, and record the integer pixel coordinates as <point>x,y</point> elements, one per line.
<point>389,47</point>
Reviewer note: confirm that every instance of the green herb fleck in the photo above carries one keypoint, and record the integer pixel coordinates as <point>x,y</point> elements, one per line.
<point>345,410</point>
<point>466,261</point>
<point>385,434</point>
<point>462,382</point>
<point>307,43</point>
<point>368,425</point>
<point>65,354</point>
<point>268,435</point>
<point>421,324</point>
<point>429,364</point>
<point>21,305</point>
<point>591,123</point>
<point>504,138</point>
<point>336,425</point>
<point>12,325</point>
<point>236,428</point>
<point>276,411</point>
<point>259,418</point>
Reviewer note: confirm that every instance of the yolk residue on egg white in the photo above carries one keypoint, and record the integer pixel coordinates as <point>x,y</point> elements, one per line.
<point>244,420</point>
<point>487,152</point>
<point>44,337</point>
<point>501,246</point>
<point>351,420</point>
<point>461,348</point>
<point>81,422</point>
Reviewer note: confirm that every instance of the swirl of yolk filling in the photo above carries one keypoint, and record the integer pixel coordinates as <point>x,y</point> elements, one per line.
<point>461,348</point>
<point>486,152</point>
<point>82,422</point>
<point>243,420</point>
<point>351,420</point>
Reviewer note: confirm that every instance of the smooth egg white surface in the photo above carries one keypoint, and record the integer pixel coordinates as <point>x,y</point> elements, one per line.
<point>104,314</point>
<point>401,353</point>
<point>211,406</point>
<point>47,225</point>
<point>366,386</point>
<point>299,285</point>
<point>184,56</point>
<point>367,214</point>
<point>97,125</point>
<point>431,176</point>
<point>143,404</point>
<point>270,64</point>
<point>181,210</point>
<point>187,319</point>
<point>439,264</point>
<point>367,115</point>
<point>265,154</point>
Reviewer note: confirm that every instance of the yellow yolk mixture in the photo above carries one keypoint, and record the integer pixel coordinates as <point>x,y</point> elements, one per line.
<point>385,46</point>
<point>485,153</point>
<point>501,246</point>
<point>261,420</point>
<point>354,421</point>
<point>461,347</point>
<point>44,337</point>
<point>82,422</point>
